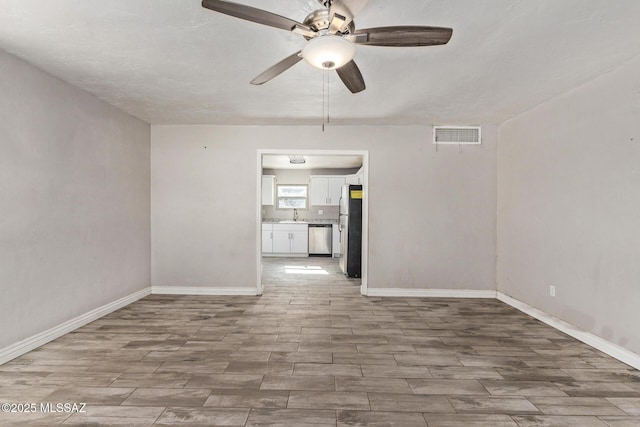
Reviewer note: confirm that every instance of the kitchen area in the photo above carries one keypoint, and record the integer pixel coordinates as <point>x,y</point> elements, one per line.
<point>312,208</point>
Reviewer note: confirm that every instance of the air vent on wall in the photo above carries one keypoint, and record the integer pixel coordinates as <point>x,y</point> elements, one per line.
<point>458,135</point>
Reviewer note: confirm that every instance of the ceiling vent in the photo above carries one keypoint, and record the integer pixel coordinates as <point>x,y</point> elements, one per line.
<point>459,135</point>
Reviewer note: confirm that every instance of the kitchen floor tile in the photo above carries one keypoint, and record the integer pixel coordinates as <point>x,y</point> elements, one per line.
<point>492,405</point>
<point>475,420</point>
<point>386,402</point>
<point>298,382</point>
<point>379,419</point>
<point>167,397</point>
<point>235,398</point>
<point>291,418</point>
<point>369,384</point>
<point>333,369</point>
<point>558,421</point>
<point>203,417</point>
<point>328,400</point>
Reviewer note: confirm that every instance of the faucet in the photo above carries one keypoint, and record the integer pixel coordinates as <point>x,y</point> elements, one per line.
<point>295,214</point>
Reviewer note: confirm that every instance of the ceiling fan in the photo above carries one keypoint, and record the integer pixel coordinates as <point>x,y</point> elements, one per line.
<point>331,37</point>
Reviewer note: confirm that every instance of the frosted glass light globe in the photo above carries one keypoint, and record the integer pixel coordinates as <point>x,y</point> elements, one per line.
<point>328,52</point>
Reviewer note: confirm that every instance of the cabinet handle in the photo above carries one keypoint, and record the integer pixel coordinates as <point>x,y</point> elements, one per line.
<point>271,235</point>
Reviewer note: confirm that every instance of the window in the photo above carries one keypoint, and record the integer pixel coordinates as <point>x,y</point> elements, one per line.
<point>292,196</point>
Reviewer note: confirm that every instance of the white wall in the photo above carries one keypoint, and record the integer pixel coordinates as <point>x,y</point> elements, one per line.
<point>74,202</point>
<point>569,207</point>
<point>431,214</point>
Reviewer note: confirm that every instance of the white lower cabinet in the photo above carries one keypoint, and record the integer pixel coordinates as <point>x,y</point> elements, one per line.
<point>336,240</point>
<point>267,238</point>
<point>287,239</point>
<point>282,242</point>
<point>300,242</point>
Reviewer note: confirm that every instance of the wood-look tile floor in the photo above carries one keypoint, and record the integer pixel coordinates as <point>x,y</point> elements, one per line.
<point>313,352</point>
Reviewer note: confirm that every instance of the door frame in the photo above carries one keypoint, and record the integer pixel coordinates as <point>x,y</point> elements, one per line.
<point>365,206</point>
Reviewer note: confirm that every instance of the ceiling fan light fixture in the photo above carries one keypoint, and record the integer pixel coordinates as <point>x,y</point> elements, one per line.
<point>328,52</point>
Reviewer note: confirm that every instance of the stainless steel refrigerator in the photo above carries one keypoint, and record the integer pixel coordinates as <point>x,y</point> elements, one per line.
<point>351,230</point>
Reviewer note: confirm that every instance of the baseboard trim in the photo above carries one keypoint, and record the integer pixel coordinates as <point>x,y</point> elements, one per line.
<point>430,293</point>
<point>622,354</point>
<point>194,290</point>
<point>25,346</point>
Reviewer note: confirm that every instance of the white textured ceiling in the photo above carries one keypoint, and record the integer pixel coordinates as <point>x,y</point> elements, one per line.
<point>171,61</point>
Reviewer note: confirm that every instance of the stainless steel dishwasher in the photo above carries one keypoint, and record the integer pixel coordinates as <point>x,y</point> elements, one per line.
<point>320,239</point>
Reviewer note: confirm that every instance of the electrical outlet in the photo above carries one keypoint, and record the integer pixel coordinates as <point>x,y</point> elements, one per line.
<point>320,212</point>
<point>552,290</point>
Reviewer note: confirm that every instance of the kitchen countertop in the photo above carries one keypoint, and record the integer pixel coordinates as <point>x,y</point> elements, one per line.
<point>301,221</point>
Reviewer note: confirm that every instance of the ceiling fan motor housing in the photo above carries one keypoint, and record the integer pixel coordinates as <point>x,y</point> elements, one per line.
<point>319,21</point>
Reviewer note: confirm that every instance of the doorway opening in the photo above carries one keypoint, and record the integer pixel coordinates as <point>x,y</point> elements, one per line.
<point>300,225</point>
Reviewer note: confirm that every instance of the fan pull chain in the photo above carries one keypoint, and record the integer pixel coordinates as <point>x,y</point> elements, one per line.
<point>326,119</point>
<point>328,94</point>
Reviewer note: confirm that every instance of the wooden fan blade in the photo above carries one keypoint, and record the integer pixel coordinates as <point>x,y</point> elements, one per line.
<point>347,8</point>
<point>252,14</point>
<point>278,69</point>
<point>351,77</point>
<point>403,36</point>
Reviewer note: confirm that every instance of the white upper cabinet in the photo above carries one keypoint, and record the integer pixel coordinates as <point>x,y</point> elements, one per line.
<point>351,179</point>
<point>326,190</point>
<point>335,190</point>
<point>360,176</point>
<point>268,187</point>
<point>319,190</point>
<point>357,179</point>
